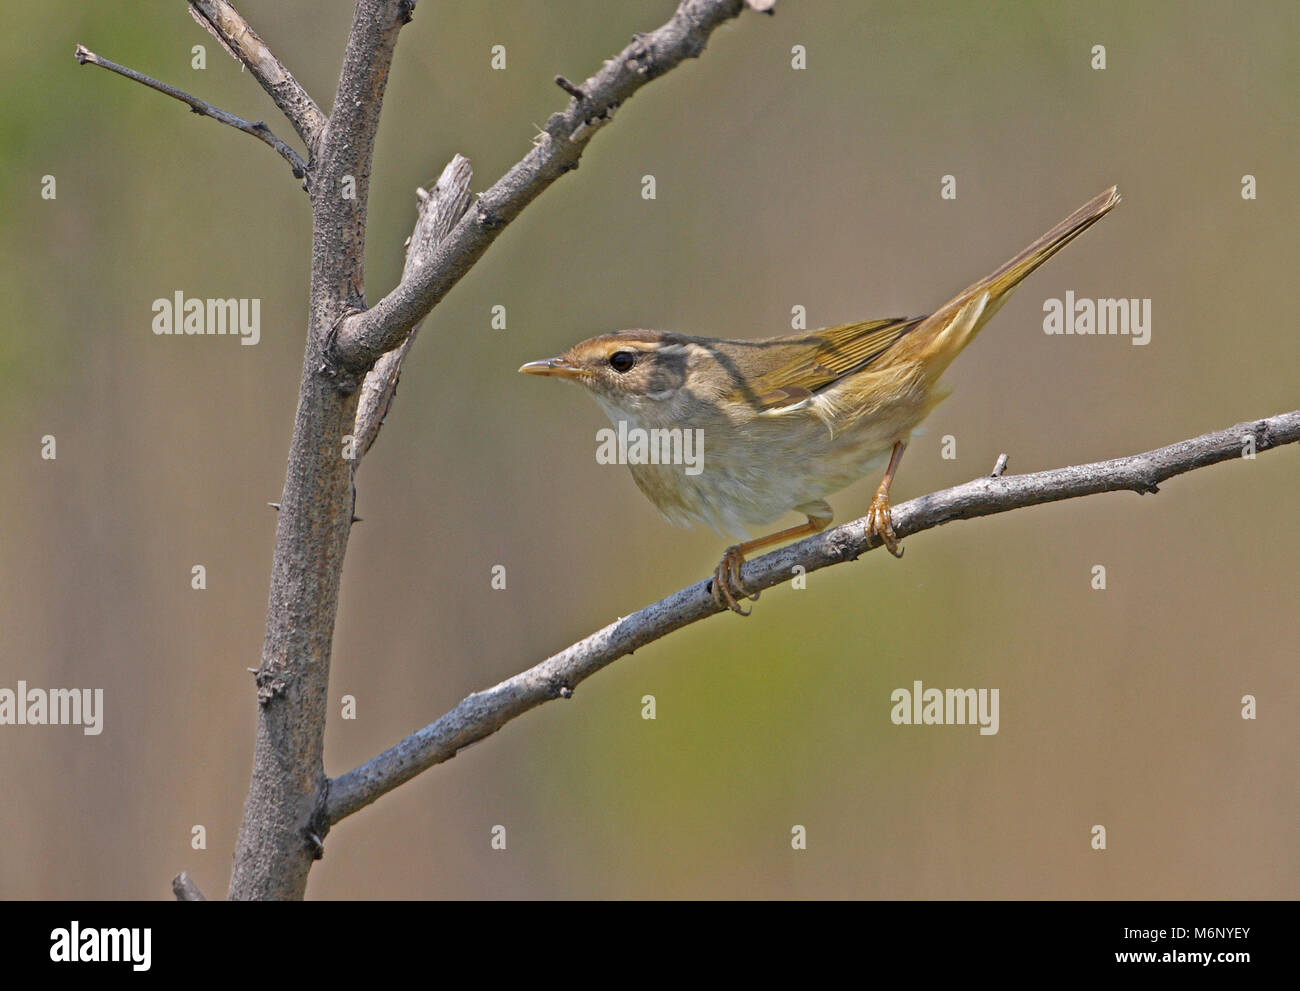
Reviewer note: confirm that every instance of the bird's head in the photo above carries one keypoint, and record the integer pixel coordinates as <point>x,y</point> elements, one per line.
<point>640,374</point>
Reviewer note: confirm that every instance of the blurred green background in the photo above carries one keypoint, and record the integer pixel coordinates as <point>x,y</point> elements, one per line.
<point>775,188</point>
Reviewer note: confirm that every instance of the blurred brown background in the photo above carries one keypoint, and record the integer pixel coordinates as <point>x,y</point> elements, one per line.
<point>775,188</point>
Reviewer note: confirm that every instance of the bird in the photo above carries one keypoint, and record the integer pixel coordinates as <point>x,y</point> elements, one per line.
<point>786,421</point>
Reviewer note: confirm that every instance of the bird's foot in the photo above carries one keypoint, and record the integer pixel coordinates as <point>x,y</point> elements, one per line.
<point>880,523</point>
<point>727,587</point>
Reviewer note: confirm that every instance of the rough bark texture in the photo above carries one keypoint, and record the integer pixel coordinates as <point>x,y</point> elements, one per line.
<point>283,824</point>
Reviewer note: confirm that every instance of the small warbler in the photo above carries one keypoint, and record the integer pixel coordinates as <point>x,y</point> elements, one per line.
<point>786,421</point>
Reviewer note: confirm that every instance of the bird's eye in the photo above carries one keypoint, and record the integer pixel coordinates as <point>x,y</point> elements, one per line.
<point>622,361</point>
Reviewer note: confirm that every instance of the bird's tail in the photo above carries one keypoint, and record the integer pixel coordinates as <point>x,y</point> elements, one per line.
<point>943,334</point>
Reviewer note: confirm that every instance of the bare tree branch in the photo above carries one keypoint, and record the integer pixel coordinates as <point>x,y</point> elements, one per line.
<point>185,890</point>
<point>228,26</point>
<point>485,712</point>
<point>283,827</point>
<point>438,212</point>
<point>362,338</point>
<point>257,129</point>
<point>341,187</point>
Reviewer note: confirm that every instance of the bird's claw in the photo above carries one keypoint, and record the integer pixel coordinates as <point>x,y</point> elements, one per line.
<point>880,524</point>
<point>727,587</point>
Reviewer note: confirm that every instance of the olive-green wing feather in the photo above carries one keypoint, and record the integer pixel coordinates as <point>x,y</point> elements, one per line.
<point>823,358</point>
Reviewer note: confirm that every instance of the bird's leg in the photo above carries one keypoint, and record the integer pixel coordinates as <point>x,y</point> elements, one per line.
<point>727,589</point>
<point>879,519</point>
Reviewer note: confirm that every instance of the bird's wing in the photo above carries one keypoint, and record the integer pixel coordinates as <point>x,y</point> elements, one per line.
<point>823,358</point>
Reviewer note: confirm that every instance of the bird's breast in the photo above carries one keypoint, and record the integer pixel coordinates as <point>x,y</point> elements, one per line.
<point>732,474</point>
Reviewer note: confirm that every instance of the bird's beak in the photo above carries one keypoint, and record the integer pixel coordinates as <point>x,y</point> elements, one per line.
<point>558,367</point>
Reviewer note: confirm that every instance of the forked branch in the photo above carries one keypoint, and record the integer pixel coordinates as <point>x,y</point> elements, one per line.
<point>439,211</point>
<point>364,337</point>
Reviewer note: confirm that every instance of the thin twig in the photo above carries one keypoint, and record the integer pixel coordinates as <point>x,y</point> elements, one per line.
<point>483,713</point>
<point>569,88</point>
<point>363,337</point>
<point>257,129</point>
<point>185,890</point>
<point>228,26</point>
